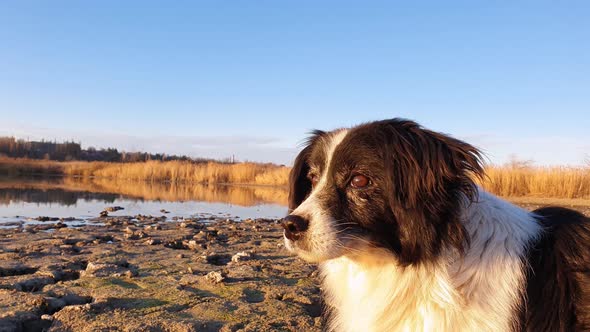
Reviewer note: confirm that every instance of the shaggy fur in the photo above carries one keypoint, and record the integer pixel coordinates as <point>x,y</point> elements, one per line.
<point>421,247</point>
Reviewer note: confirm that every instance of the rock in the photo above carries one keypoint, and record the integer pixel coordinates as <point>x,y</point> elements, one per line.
<point>141,234</point>
<point>152,242</point>
<point>45,218</point>
<point>107,269</point>
<point>241,256</point>
<point>102,238</point>
<point>132,236</point>
<point>130,273</point>
<point>194,245</point>
<point>104,214</point>
<point>164,211</point>
<point>31,285</point>
<point>46,317</point>
<point>129,230</point>
<point>54,304</point>
<point>176,244</point>
<point>114,208</point>
<point>74,299</point>
<point>45,227</point>
<point>215,277</point>
<point>211,234</point>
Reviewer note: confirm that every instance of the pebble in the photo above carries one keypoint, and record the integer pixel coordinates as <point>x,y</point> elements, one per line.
<point>46,317</point>
<point>131,236</point>
<point>114,208</point>
<point>153,242</point>
<point>192,244</point>
<point>215,277</point>
<point>241,256</point>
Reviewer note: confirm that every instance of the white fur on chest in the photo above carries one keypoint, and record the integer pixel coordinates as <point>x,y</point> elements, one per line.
<point>480,291</point>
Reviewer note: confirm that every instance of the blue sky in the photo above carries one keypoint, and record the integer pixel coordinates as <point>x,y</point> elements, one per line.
<point>251,78</point>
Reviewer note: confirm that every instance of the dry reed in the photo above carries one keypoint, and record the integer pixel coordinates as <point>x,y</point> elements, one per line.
<point>508,181</point>
<point>558,182</point>
<point>154,171</point>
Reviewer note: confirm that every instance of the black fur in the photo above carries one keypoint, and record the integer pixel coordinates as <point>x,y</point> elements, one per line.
<point>299,183</point>
<point>429,176</point>
<point>558,280</point>
<point>420,180</point>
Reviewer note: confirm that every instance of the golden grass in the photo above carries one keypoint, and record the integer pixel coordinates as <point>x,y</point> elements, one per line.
<point>22,166</point>
<point>154,171</point>
<point>507,181</point>
<point>181,171</point>
<point>556,182</point>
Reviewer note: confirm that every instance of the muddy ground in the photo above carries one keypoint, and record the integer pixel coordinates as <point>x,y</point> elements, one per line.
<point>147,274</point>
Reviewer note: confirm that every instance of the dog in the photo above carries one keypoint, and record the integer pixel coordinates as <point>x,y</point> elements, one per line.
<point>406,240</point>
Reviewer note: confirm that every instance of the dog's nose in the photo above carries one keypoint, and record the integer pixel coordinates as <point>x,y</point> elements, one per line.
<point>294,226</point>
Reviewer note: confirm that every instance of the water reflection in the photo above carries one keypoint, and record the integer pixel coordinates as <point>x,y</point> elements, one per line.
<point>68,191</point>
<point>60,196</point>
<point>86,197</point>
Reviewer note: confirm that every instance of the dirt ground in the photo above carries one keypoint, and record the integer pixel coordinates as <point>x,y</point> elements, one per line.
<point>146,274</point>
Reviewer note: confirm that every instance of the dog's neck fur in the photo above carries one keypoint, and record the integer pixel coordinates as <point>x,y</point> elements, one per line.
<point>476,291</point>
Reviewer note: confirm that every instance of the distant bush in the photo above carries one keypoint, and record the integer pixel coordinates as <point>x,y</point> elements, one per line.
<point>69,151</point>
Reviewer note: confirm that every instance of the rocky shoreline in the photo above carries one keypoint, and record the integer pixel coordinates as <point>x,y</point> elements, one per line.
<point>145,273</point>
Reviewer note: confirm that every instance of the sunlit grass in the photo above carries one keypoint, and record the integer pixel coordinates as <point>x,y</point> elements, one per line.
<point>559,182</point>
<point>513,180</point>
<point>155,171</point>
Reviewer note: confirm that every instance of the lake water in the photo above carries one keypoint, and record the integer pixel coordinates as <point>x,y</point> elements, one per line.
<point>24,199</point>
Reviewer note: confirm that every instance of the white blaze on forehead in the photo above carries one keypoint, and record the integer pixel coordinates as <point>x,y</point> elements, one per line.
<point>320,242</point>
<point>310,208</point>
<point>332,143</point>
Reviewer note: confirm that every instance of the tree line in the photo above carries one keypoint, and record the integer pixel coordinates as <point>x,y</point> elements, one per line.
<point>70,150</point>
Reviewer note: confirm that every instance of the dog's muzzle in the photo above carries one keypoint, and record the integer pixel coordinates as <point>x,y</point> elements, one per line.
<point>294,227</point>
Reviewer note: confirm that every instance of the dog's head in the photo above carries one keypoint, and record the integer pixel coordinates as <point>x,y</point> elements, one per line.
<point>388,185</point>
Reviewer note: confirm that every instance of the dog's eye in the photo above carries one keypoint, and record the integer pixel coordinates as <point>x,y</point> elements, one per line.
<point>359,181</point>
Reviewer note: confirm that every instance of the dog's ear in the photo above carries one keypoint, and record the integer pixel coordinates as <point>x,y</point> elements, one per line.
<point>299,184</point>
<point>430,178</point>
